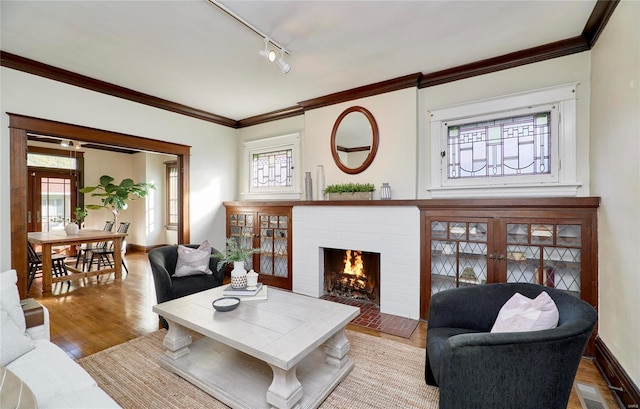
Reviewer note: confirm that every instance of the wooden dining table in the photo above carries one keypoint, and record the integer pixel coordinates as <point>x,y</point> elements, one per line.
<point>59,238</point>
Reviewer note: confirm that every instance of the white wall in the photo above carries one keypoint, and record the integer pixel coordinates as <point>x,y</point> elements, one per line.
<point>96,164</point>
<point>396,161</point>
<point>615,176</point>
<point>213,147</point>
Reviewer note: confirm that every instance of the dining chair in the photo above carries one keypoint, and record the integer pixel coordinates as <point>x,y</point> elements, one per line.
<point>105,254</point>
<point>58,267</point>
<point>83,249</point>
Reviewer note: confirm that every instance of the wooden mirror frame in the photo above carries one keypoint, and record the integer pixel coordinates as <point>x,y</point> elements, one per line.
<point>374,144</point>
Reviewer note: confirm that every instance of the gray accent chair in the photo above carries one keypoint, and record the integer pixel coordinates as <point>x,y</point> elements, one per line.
<point>163,263</point>
<point>526,370</point>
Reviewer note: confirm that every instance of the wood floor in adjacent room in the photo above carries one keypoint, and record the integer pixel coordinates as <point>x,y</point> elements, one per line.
<point>94,314</point>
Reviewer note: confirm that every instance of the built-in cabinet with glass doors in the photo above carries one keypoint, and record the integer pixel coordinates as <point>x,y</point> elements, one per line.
<point>269,229</point>
<point>550,242</point>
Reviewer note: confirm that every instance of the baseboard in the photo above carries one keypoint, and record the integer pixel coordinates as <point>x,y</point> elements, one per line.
<point>136,248</point>
<point>626,392</point>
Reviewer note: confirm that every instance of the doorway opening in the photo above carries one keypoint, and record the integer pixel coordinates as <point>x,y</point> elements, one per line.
<point>22,126</point>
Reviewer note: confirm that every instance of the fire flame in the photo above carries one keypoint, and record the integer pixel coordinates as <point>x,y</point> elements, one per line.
<point>354,267</point>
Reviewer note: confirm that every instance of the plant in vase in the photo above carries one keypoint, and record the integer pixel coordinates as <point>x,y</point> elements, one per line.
<point>237,255</point>
<point>81,214</point>
<point>72,226</point>
<point>115,197</point>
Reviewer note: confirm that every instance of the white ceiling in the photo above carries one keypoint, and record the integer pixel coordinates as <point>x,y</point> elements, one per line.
<point>190,52</point>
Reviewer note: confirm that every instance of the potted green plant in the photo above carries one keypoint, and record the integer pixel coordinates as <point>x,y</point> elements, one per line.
<point>233,253</point>
<point>116,197</point>
<point>81,214</point>
<point>350,191</point>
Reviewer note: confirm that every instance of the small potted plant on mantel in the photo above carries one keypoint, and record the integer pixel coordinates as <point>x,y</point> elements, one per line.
<point>350,191</point>
<point>237,255</point>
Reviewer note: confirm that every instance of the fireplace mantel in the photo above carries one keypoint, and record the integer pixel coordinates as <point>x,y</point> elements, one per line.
<point>496,203</point>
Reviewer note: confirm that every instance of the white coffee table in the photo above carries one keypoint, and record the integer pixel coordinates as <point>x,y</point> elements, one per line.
<point>263,354</point>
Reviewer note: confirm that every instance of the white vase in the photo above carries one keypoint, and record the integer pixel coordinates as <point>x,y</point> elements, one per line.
<point>320,183</point>
<point>238,275</point>
<point>71,228</point>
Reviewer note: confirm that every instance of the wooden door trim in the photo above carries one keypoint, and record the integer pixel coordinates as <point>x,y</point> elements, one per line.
<point>21,125</point>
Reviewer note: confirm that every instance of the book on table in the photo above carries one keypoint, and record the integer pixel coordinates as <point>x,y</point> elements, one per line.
<point>244,291</point>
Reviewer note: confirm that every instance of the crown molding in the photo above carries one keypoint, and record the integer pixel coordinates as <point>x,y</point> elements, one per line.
<point>29,66</point>
<point>598,19</point>
<point>271,116</point>
<point>523,57</point>
<point>395,84</point>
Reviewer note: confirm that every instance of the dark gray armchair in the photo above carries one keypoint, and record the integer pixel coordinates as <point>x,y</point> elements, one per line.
<point>526,370</point>
<point>163,263</point>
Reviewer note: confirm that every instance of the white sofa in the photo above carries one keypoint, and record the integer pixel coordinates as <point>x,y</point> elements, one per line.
<point>45,370</point>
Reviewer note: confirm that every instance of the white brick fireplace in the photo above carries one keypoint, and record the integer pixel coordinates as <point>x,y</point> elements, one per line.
<point>392,231</point>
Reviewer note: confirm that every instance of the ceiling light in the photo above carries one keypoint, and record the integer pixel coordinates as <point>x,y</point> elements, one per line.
<point>270,55</point>
<point>283,65</point>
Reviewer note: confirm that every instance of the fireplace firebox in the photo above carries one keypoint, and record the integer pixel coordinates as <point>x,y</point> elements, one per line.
<point>352,274</point>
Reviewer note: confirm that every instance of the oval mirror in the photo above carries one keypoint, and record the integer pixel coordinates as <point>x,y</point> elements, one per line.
<point>354,140</point>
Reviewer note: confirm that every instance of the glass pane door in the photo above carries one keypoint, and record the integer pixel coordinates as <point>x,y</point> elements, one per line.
<point>52,200</point>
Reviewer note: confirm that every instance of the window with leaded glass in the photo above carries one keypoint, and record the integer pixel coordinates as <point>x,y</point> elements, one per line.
<point>271,168</point>
<point>516,145</point>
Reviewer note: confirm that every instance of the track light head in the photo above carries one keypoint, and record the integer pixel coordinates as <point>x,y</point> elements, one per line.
<point>283,65</point>
<point>66,143</point>
<point>270,55</point>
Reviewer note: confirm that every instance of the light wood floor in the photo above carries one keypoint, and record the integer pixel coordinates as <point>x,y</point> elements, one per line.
<point>91,315</point>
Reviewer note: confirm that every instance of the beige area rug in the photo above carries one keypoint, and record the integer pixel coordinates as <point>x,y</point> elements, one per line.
<point>387,375</point>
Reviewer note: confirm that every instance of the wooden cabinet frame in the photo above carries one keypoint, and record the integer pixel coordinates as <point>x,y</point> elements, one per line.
<point>258,211</point>
<point>498,213</point>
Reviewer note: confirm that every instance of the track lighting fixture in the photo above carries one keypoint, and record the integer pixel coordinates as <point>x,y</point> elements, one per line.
<point>283,65</point>
<point>66,143</point>
<point>270,55</point>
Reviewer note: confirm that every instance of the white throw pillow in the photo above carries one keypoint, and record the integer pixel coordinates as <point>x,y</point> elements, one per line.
<point>10,298</point>
<point>193,261</point>
<point>520,314</point>
<point>13,342</point>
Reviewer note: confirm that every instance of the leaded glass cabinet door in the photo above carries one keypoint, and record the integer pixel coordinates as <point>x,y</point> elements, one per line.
<point>267,228</point>
<point>458,253</point>
<point>275,244</point>
<point>241,228</point>
<point>548,253</point>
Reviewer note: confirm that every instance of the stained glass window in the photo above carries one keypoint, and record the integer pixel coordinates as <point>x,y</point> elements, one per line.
<point>517,145</point>
<point>272,169</point>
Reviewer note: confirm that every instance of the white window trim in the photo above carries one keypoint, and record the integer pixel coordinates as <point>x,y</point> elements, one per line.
<point>562,183</point>
<point>290,141</point>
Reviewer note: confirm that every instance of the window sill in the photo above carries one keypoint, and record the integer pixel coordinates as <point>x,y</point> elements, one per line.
<point>272,196</point>
<point>171,227</point>
<point>556,190</point>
